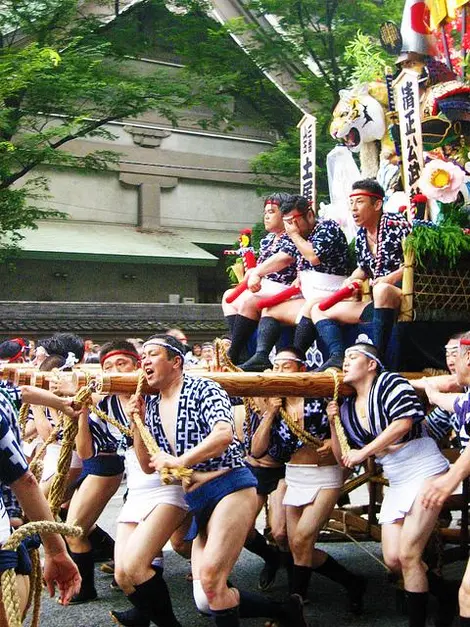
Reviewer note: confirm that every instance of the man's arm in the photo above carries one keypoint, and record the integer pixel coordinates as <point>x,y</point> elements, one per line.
<point>275,263</point>
<point>58,568</point>
<point>84,439</point>
<point>443,400</point>
<point>439,489</point>
<point>262,435</point>
<point>395,431</point>
<point>211,446</point>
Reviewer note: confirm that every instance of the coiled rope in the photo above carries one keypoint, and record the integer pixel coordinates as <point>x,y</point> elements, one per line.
<point>10,598</point>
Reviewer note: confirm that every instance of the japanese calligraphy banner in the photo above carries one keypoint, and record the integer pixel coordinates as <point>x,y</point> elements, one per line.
<point>307,156</point>
<point>407,106</point>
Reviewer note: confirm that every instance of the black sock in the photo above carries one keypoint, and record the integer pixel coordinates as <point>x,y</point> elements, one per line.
<point>226,618</point>
<point>417,603</point>
<point>230,320</point>
<point>259,546</point>
<point>86,567</point>
<point>300,580</point>
<point>153,598</point>
<point>332,336</point>
<point>269,330</point>
<point>99,538</point>
<point>254,605</point>
<point>383,321</point>
<point>336,572</point>
<point>242,329</point>
<point>305,334</point>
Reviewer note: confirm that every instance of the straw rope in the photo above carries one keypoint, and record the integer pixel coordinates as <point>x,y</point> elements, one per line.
<point>307,438</point>
<point>341,435</point>
<point>23,419</point>
<point>10,598</point>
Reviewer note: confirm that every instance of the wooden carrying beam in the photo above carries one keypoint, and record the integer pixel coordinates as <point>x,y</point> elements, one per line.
<point>313,385</point>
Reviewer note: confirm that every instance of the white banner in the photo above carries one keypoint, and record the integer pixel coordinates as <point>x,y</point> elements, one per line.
<point>407,106</point>
<point>307,156</point>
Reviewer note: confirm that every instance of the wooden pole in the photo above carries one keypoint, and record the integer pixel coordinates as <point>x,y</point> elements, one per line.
<point>406,309</point>
<point>313,385</point>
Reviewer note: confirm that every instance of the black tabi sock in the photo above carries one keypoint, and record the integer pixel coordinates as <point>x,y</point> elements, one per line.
<point>269,330</point>
<point>447,595</point>
<point>230,320</point>
<point>153,598</point>
<point>383,321</point>
<point>300,580</point>
<point>242,329</point>
<point>336,572</point>
<point>99,537</point>
<point>259,546</point>
<point>332,336</point>
<point>86,567</point>
<point>305,334</point>
<point>254,605</point>
<point>226,618</point>
<point>417,603</point>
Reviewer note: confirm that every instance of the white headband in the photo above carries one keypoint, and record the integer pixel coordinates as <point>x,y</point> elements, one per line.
<point>276,359</point>
<point>363,351</point>
<point>70,361</point>
<point>159,342</point>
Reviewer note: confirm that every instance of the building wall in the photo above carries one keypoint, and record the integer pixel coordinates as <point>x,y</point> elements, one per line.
<point>83,281</point>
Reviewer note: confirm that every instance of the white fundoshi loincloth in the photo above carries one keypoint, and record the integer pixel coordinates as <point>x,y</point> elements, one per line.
<point>406,470</point>
<point>304,482</point>
<point>51,458</point>
<point>146,492</point>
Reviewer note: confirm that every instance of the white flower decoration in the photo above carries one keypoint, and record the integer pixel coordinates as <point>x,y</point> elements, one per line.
<point>441,180</point>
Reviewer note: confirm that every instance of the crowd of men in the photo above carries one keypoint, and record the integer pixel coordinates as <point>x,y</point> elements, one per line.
<point>225,470</point>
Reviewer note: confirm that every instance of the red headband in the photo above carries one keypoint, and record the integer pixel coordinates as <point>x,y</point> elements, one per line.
<point>119,352</point>
<point>464,342</point>
<point>21,342</point>
<point>361,193</point>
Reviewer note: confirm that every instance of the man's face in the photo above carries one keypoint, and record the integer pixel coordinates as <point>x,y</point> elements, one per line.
<point>364,209</point>
<point>287,362</point>
<point>452,348</point>
<point>207,353</point>
<point>462,366</point>
<point>157,367</point>
<point>197,350</point>
<point>119,363</point>
<point>356,366</point>
<point>272,218</point>
<point>303,222</point>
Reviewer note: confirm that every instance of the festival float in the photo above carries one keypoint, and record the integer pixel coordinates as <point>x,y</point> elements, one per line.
<point>410,129</point>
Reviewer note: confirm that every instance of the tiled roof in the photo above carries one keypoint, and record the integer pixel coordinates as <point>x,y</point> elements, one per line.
<point>40,318</point>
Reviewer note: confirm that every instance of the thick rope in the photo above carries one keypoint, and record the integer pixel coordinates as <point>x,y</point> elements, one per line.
<point>23,419</point>
<point>167,475</point>
<point>340,433</point>
<point>59,484</point>
<point>10,598</point>
<point>307,438</point>
<point>36,463</point>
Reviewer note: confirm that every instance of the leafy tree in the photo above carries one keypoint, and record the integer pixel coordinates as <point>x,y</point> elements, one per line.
<point>315,34</point>
<point>63,75</point>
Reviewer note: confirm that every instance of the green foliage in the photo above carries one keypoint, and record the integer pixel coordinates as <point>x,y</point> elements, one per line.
<point>436,247</point>
<point>324,31</point>
<point>63,76</point>
<point>368,58</point>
